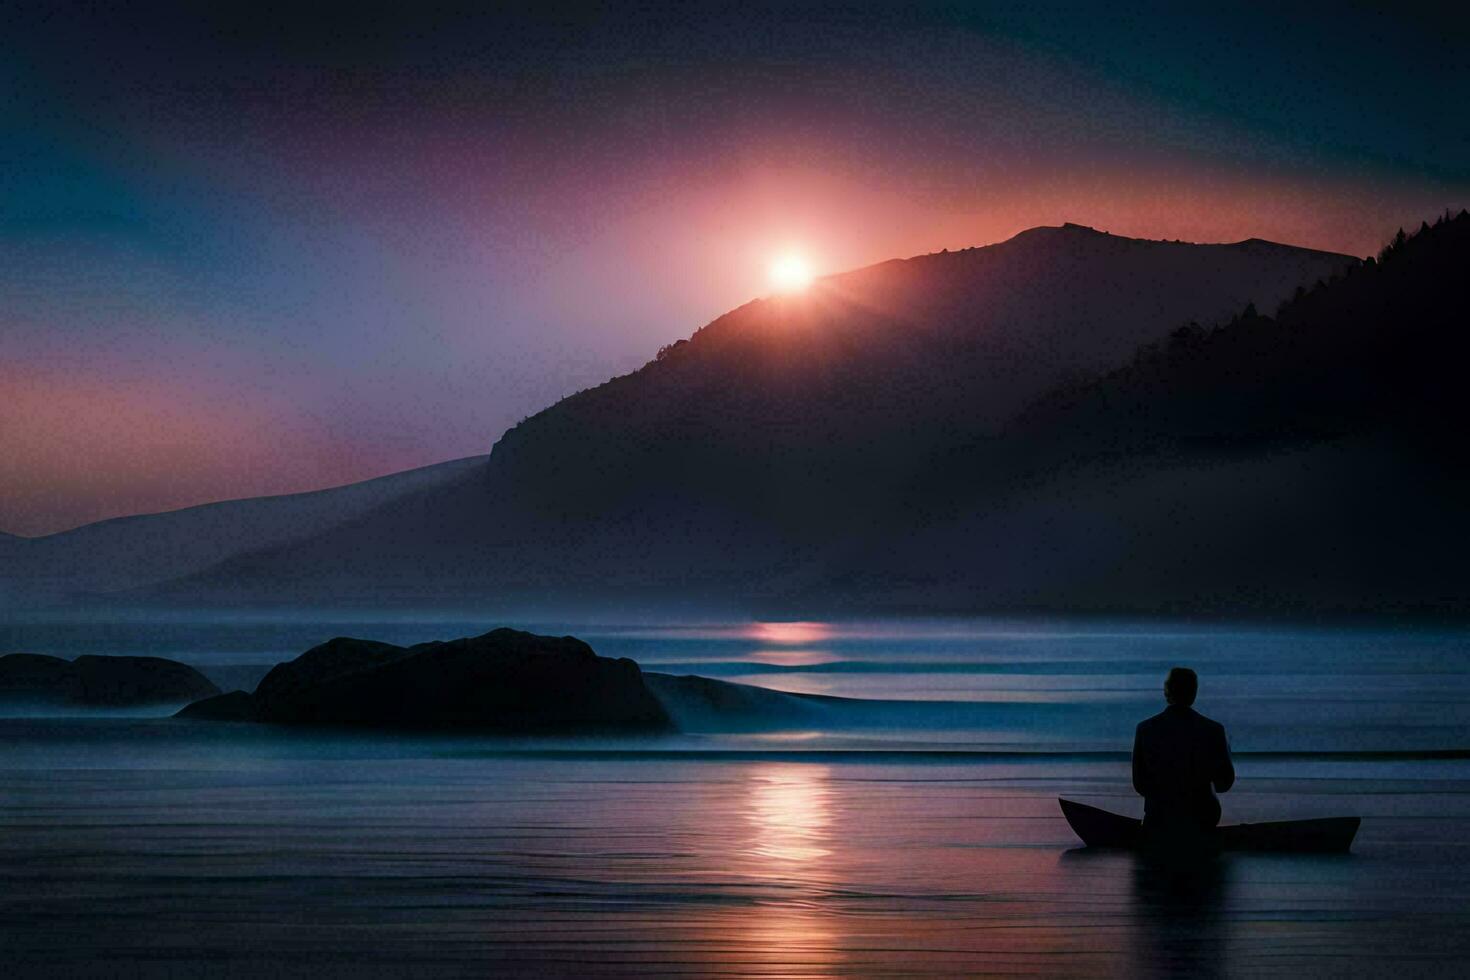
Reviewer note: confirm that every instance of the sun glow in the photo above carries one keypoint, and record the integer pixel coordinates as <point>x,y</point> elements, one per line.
<point>791,273</point>
<point>789,634</point>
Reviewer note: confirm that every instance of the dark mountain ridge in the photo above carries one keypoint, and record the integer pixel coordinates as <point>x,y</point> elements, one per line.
<point>776,442</point>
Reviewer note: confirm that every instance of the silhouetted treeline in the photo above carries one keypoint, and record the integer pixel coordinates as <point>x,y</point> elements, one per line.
<point>1304,463</point>
<point>1380,347</point>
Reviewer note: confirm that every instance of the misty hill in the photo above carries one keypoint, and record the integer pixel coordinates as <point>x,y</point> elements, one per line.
<point>758,458</point>
<point>1309,461</point>
<point>128,552</point>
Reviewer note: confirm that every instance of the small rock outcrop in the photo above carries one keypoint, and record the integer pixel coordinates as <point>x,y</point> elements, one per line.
<point>234,706</point>
<point>505,680</point>
<point>99,682</point>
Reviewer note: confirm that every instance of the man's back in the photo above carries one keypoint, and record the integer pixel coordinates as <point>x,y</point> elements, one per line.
<point>1180,760</point>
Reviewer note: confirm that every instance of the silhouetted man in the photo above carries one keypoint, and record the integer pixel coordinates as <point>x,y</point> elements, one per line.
<point>1180,760</point>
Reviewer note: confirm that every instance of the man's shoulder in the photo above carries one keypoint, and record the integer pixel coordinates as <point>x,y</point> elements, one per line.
<point>1210,723</point>
<point>1153,721</point>
<point>1177,719</point>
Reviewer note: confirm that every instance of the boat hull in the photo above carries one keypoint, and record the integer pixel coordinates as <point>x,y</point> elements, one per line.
<point>1328,835</point>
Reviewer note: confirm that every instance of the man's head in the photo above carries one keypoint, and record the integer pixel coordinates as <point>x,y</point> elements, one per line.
<point>1181,686</point>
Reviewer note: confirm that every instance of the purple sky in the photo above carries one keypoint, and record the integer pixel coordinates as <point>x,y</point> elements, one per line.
<point>247,252</point>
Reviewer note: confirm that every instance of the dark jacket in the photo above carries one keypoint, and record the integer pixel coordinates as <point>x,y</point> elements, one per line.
<point>1180,760</point>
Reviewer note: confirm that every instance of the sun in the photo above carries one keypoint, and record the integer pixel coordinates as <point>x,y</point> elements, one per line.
<point>790,273</point>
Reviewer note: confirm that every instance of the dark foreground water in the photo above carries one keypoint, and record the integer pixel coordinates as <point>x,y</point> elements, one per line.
<point>922,838</point>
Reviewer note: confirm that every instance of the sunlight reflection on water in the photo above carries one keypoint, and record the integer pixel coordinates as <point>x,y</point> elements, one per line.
<point>788,809</point>
<point>799,657</point>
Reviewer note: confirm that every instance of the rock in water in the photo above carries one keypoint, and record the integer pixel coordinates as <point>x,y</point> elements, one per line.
<point>505,680</point>
<point>100,682</point>
<point>36,677</point>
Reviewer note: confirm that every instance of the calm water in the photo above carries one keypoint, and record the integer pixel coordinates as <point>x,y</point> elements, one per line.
<point>917,835</point>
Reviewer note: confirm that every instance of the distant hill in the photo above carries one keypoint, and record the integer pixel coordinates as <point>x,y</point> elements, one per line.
<point>790,438</point>
<point>129,552</point>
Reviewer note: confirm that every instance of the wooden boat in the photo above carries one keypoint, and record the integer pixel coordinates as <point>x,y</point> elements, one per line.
<point>1099,828</point>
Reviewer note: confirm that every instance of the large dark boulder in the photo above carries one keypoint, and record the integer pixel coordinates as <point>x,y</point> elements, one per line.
<point>505,680</point>
<point>99,682</point>
<point>35,677</point>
